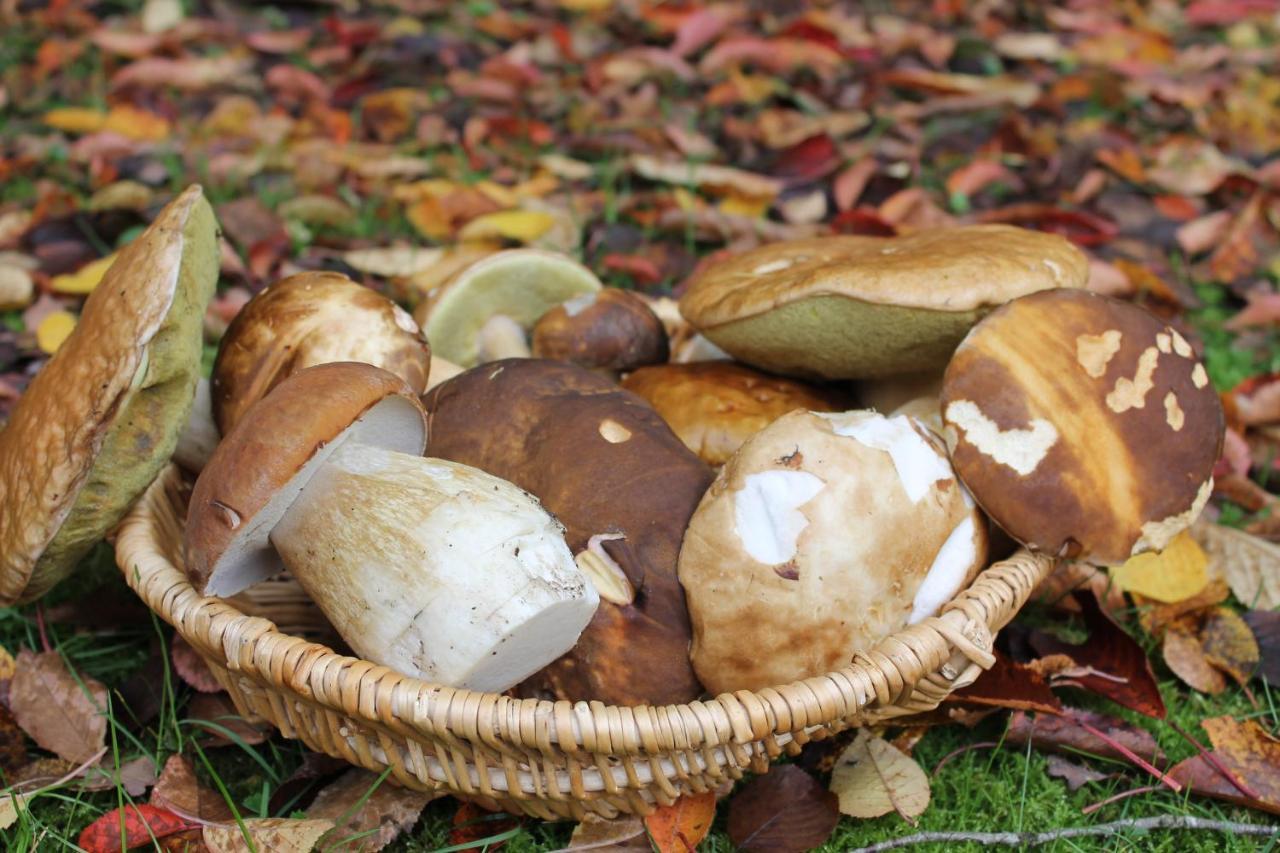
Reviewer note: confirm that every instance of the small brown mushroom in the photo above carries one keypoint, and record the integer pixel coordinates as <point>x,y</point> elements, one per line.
<point>714,406</point>
<point>610,330</point>
<point>308,319</point>
<point>1083,425</point>
<point>622,484</point>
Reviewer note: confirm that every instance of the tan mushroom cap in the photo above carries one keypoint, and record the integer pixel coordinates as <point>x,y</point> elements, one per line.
<point>308,319</point>
<point>608,329</point>
<point>264,463</point>
<point>102,417</point>
<point>853,307</point>
<point>601,460</point>
<point>714,406</point>
<point>822,535</point>
<point>1082,425</point>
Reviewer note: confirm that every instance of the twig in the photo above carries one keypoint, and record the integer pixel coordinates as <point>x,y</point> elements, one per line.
<point>1032,839</point>
<point>950,755</point>
<point>1131,755</point>
<point>1123,795</point>
<point>1238,783</point>
<point>44,637</point>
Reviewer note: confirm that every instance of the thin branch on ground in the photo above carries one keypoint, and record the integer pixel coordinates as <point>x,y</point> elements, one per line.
<point>1033,839</point>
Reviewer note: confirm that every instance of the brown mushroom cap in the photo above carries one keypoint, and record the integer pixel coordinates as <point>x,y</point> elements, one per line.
<point>261,466</point>
<point>308,319</point>
<point>1082,425</point>
<point>608,329</point>
<point>714,406</point>
<point>101,419</point>
<point>855,307</point>
<point>604,463</point>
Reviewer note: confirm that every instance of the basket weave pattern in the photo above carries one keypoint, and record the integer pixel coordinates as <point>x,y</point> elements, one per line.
<point>549,759</point>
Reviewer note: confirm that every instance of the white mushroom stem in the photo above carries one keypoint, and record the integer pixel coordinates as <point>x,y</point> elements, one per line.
<point>502,337</point>
<point>434,568</point>
<point>442,370</point>
<point>200,436</point>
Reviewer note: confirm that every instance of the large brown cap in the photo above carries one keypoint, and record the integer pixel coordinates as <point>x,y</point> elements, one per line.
<point>609,329</point>
<point>308,319</point>
<point>102,417</point>
<point>1082,425</point>
<point>854,307</point>
<point>266,460</point>
<point>624,486</point>
<point>714,406</point>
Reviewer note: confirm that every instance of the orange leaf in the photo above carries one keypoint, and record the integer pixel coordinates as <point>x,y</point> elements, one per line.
<point>681,826</point>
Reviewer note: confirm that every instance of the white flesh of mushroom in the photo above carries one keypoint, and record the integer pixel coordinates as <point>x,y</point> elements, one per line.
<point>918,463</point>
<point>435,569</point>
<point>949,571</point>
<point>502,337</point>
<point>767,515</point>
<point>200,436</point>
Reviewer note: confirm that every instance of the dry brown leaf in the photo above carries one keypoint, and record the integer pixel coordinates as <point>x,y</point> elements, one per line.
<point>872,778</point>
<point>191,668</point>
<point>1076,775</point>
<point>62,715</point>
<point>1155,618</point>
<point>179,791</point>
<point>1184,655</point>
<point>1250,565</point>
<point>681,826</point>
<point>217,713</point>
<point>784,811</point>
<point>625,832</point>
<point>279,835</point>
<point>387,812</point>
<point>1229,644</point>
<point>682,173</point>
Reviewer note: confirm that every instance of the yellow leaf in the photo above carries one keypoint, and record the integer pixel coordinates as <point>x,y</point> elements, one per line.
<point>136,124</point>
<point>498,194</point>
<point>76,119</point>
<point>737,204</point>
<point>83,280</point>
<point>54,329</point>
<point>428,216</point>
<point>585,5</point>
<point>686,200</point>
<point>873,778</point>
<point>1175,574</point>
<point>521,226</point>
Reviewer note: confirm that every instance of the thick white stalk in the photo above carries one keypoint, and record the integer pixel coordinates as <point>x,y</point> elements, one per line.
<point>502,337</point>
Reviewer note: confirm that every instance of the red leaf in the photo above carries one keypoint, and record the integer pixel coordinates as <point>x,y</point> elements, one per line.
<point>1009,684</point>
<point>1082,228</point>
<point>1217,13</point>
<point>862,221</point>
<point>141,824</point>
<point>1064,733</point>
<point>782,811</point>
<point>1119,669</point>
<point>807,161</point>
<point>681,826</point>
<point>472,825</point>
<point>643,270</point>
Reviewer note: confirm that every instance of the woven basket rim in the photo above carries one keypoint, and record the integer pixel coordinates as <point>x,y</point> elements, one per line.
<point>254,646</point>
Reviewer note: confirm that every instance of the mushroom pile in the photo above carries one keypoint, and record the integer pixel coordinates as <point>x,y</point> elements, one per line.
<point>540,484</point>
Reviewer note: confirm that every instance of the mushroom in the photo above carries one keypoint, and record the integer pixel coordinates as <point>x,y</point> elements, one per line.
<point>435,569</point>
<point>822,535</point>
<point>854,307</point>
<point>101,419</point>
<point>623,485</point>
<point>200,436</point>
<point>714,406</point>
<point>608,330</point>
<point>686,345</point>
<point>308,319</point>
<point>482,313</point>
<point>1083,425</point>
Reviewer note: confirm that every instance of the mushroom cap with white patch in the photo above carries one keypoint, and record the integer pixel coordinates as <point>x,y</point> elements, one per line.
<point>822,535</point>
<point>265,462</point>
<point>1083,425</point>
<point>607,329</point>
<point>854,307</point>
<point>307,319</point>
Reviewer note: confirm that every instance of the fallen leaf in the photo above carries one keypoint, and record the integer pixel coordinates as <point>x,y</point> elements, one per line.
<point>135,776</point>
<point>1019,92</point>
<point>279,835</point>
<point>1266,630</point>
<point>1247,751</point>
<point>476,826</point>
<point>518,226</point>
<point>873,778</point>
<point>385,813</point>
<point>1009,684</point>
<point>1064,733</point>
<point>13,744</point>
<point>1191,166</point>
<point>61,715</point>
<point>681,826</point>
<point>1229,644</point>
<point>1076,775</point>
<point>141,824</point>
<point>1177,573</point>
<point>55,328</point>
<point>179,791</point>
<point>721,178</point>
<point>214,714</point>
<point>1250,564</point>
<point>11,805</point>
<point>625,832</point>
<point>191,667</point>
<point>1184,654</point>
<point>784,811</point>
<point>75,119</point>
<point>393,261</point>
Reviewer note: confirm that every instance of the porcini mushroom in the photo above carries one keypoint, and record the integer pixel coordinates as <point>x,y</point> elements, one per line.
<point>623,485</point>
<point>433,568</point>
<point>822,535</point>
<point>1083,425</point>
<point>854,307</point>
<point>308,319</point>
<point>484,311</point>
<point>608,330</point>
<point>714,406</point>
<point>101,419</point>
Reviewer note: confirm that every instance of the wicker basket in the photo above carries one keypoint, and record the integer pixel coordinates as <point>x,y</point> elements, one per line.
<point>547,759</point>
